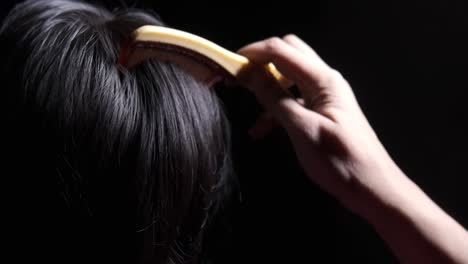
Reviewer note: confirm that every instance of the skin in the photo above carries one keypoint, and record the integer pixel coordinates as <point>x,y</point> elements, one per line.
<point>339,151</point>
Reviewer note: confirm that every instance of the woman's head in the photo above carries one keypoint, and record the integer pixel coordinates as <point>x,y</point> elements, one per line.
<point>105,161</point>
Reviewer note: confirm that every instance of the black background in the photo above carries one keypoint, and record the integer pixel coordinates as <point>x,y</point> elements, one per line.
<point>407,63</point>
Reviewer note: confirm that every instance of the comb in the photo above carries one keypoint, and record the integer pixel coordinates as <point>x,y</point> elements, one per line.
<point>205,60</point>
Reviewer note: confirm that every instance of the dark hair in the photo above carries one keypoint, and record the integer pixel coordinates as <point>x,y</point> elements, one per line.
<point>104,163</point>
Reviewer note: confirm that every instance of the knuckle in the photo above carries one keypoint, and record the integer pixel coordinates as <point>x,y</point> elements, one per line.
<point>274,44</point>
<point>331,77</point>
<point>335,74</point>
<point>291,37</point>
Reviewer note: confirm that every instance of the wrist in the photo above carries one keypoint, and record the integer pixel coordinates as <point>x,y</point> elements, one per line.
<point>414,227</point>
<point>382,192</point>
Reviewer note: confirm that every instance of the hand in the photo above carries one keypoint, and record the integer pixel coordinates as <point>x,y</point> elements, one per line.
<point>333,141</point>
<point>340,152</point>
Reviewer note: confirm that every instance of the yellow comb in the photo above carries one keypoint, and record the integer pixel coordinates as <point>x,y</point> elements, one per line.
<point>204,59</point>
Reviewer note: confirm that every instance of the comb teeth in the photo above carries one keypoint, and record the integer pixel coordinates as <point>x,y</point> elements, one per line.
<point>125,52</point>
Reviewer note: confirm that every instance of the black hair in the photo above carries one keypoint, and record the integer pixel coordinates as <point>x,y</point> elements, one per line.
<point>104,163</point>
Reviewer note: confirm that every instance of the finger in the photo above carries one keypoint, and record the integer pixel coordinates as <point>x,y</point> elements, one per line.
<point>263,126</point>
<point>266,122</point>
<point>301,101</point>
<point>276,100</point>
<point>308,73</point>
<point>299,44</point>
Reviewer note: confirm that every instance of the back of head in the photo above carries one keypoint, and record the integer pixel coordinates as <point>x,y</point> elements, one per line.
<point>103,163</point>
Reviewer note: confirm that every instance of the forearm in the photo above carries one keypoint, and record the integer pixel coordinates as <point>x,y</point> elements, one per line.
<point>415,228</point>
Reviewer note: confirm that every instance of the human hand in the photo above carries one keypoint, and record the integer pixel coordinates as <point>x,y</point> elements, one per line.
<point>340,152</point>
<point>332,138</point>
